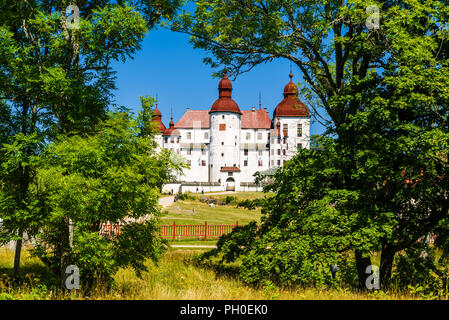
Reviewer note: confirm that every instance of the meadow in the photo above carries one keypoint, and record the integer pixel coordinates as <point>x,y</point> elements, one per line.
<point>176,277</point>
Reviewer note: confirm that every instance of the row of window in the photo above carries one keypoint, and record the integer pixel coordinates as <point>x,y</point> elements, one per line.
<point>245,151</point>
<point>248,134</point>
<point>245,163</point>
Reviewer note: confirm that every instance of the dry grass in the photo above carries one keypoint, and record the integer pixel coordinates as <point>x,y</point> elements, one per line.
<point>176,277</point>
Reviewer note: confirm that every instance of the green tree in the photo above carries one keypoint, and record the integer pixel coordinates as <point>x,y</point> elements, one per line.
<point>384,93</point>
<point>57,79</point>
<point>112,176</point>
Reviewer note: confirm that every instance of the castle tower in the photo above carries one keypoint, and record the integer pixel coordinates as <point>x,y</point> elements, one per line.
<point>225,128</point>
<point>157,119</point>
<point>293,131</point>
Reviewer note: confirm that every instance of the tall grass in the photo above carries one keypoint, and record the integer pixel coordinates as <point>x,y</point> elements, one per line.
<point>175,277</point>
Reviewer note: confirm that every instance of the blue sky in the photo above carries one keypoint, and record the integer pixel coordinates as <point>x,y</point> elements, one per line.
<point>167,65</point>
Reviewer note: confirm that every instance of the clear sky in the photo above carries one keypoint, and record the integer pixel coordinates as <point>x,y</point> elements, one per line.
<point>167,65</point>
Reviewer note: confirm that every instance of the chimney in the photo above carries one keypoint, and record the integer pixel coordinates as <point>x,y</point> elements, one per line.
<point>188,109</point>
<point>254,109</point>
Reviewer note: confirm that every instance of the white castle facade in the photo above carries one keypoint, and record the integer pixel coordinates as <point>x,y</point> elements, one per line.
<point>225,146</point>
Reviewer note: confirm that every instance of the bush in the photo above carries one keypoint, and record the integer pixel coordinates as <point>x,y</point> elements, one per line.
<point>185,196</point>
<point>230,199</point>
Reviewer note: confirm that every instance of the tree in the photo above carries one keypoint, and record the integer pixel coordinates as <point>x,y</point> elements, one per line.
<point>56,78</point>
<point>382,85</point>
<point>113,176</point>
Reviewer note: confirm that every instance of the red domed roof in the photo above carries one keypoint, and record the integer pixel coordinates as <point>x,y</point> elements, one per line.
<point>156,112</point>
<point>157,117</point>
<point>291,106</point>
<point>225,102</point>
<point>171,131</point>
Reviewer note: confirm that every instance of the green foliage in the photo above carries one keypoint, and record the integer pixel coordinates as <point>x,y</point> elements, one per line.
<point>55,80</point>
<point>112,176</point>
<point>251,204</point>
<point>230,199</point>
<point>186,196</point>
<point>382,181</point>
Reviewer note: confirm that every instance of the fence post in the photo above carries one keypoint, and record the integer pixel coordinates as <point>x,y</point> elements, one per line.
<point>174,230</point>
<point>205,230</point>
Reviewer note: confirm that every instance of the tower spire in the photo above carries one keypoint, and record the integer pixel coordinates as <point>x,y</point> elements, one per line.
<point>260,101</point>
<point>157,101</point>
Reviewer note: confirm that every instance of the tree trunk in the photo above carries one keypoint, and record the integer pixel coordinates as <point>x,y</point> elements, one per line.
<point>362,263</point>
<point>386,264</point>
<point>17,255</point>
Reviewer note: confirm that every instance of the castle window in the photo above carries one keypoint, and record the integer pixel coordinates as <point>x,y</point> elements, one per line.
<point>222,143</point>
<point>189,135</point>
<point>279,140</point>
<point>248,135</point>
<point>178,139</point>
<point>245,152</point>
<point>166,140</point>
<point>260,163</point>
<point>299,146</point>
<point>172,140</point>
<point>222,126</point>
<point>222,154</point>
<point>245,163</point>
<point>279,163</point>
<point>285,127</point>
<point>272,152</point>
<point>272,162</point>
<point>230,174</point>
<point>299,130</point>
<point>222,116</point>
<point>203,163</point>
<point>279,152</point>
<point>283,152</point>
<point>259,136</point>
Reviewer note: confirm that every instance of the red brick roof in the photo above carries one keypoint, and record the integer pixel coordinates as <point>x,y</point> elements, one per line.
<point>229,169</point>
<point>171,131</point>
<point>257,119</point>
<point>191,116</point>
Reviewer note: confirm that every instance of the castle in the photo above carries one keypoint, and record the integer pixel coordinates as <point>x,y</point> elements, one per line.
<point>225,146</point>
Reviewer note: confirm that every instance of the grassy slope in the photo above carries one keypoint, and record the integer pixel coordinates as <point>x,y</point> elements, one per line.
<point>181,212</point>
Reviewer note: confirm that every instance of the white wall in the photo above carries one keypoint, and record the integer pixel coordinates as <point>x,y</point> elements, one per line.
<point>224,142</point>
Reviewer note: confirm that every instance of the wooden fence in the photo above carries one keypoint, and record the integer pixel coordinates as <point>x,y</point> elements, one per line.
<point>179,231</point>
